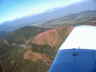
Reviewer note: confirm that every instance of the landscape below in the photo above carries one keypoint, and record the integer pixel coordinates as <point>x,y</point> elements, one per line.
<point>33,48</point>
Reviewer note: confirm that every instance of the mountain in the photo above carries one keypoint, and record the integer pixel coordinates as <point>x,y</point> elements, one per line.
<point>86,17</point>
<point>22,34</point>
<point>88,5</point>
<point>52,37</point>
<point>14,53</point>
<point>29,48</point>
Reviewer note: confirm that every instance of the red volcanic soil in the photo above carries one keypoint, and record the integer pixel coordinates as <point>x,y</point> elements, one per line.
<point>52,37</point>
<point>35,56</point>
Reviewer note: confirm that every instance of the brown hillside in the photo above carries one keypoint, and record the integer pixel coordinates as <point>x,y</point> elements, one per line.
<point>52,37</point>
<point>43,47</point>
<point>35,56</point>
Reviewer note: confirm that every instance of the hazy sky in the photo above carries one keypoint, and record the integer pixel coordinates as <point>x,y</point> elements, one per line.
<point>12,9</point>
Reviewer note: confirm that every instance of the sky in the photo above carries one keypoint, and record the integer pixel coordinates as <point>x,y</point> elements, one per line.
<point>13,9</point>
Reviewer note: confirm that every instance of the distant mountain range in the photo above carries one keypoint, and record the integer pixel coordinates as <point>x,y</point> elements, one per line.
<point>77,10</point>
<point>86,17</point>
